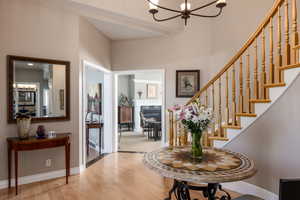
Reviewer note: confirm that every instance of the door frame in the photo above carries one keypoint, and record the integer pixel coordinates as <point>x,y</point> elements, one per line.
<point>107,117</point>
<point>163,113</point>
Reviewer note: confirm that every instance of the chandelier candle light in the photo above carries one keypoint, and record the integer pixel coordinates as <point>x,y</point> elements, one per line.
<point>185,11</point>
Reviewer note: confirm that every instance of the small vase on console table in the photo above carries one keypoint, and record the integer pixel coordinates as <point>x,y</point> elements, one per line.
<point>24,126</point>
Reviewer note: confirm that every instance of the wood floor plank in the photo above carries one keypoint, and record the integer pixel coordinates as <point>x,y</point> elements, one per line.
<point>117,176</point>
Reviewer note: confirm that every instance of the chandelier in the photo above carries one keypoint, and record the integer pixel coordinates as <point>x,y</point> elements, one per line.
<point>185,11</point>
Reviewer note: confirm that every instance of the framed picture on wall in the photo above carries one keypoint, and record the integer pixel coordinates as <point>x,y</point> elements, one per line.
<point>95,99</point>
<point>187,83</point>
<point>151,91</point>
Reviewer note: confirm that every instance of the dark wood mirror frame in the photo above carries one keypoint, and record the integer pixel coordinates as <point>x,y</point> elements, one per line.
<point>10,82</point>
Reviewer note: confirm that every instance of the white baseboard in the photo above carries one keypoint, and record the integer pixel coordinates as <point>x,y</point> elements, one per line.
<point>247,188</point>
<point>39,177</point>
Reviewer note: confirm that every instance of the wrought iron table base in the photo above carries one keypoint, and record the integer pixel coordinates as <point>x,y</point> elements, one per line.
<point>181,191</point>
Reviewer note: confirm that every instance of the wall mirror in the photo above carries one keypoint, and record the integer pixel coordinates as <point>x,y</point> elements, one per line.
<point>39,88</point>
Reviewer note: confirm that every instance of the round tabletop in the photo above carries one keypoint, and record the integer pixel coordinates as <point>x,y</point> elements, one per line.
<point>217,166</point>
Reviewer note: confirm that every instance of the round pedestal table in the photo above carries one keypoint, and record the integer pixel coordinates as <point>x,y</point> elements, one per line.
<point>217,166</point>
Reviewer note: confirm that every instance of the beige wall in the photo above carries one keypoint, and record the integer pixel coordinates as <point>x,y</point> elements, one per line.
<point>93,45</point>
<point>273,141</point>
<point>230,32</point>
<point>33,28</point>
<point>189,49</point>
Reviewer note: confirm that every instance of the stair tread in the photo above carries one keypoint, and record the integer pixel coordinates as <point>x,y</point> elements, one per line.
<point>246,114</point>
<point>232,126</point>
<point>275,85</point>
<point>297,46</point>
<point>290,66</point>
<point>218,138</point>
<point>260,101</point>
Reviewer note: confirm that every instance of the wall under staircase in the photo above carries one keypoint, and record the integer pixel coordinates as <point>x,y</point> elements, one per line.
<point>273,141</point>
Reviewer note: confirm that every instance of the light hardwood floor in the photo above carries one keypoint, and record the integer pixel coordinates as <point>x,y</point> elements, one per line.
<point>137,142</point>
<point>119,176</point>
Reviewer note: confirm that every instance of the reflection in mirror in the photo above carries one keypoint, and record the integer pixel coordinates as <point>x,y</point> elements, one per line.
<point>39,89</point>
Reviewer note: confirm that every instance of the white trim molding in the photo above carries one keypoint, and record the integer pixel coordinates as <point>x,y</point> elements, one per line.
<point>247,188</point>
<point>39,177</point>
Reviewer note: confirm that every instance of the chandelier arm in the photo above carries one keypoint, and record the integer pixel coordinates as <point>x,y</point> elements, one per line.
<point>204,6</point>
<point>162,7</point>
<point>169,18</point>
<point>208,16</point>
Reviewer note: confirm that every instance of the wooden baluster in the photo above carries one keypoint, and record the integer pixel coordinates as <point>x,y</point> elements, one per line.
<point>171,131</point>
<point>213,127</point>
<point>295,30</point>
<point>241,90</point>
<point>206,134</point>
<point>248,85</point>
<point>278,77</point>
<point>207,140</point>
<point>220,129</point>
<point>175,132</point>
<point>182,134</point>
<point>233,113</point>
<point>206,98</point>
<point>287,59</point>
<point>256,82</point>
<point>263,91</point>
<point>271,67</point>
<point>185,136</point>
<point>227,99</point>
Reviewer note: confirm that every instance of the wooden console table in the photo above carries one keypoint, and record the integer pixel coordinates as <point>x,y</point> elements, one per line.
<point>16,144</point>
<point>91,125</point>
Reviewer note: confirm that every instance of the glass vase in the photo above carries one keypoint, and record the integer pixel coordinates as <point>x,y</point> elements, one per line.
<point>197,151</point>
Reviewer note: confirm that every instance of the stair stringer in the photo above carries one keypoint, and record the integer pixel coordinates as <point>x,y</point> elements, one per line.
<point>290,75</point>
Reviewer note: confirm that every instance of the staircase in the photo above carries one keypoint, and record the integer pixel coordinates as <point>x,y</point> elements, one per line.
<point>252,81</point>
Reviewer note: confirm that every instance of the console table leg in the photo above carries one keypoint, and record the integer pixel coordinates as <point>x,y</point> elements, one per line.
<point>9,164</point>
<point>100,140</point>
<point>87,134</point>
<point>67,157</point>
<point>16,171</point>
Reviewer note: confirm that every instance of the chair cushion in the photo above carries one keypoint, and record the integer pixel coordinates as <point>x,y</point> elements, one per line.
<point>248,197</point>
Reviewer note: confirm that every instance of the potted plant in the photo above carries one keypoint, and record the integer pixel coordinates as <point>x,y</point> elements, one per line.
<point>196,118</point>
<point>24,125</point>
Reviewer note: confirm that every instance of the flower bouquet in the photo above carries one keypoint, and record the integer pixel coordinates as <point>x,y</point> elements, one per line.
<point>196,118</point>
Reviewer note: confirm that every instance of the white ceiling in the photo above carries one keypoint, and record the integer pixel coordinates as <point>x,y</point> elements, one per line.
<point>118,26</point>
<point>121,31</point>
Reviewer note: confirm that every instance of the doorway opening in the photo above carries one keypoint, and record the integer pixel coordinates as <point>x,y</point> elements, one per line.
<point>97,117</point>
<point>140,110</point>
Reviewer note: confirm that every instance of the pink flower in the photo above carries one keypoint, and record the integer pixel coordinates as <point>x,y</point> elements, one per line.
<point>176,107</point>
<point>181,116</point>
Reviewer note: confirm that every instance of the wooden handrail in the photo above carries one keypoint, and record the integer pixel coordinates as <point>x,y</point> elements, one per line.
<point>253,37</point>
